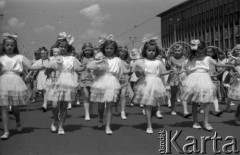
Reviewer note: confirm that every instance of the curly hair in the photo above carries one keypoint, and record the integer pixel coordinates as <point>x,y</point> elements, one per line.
<point>150,43</point>
<point>109,42</point>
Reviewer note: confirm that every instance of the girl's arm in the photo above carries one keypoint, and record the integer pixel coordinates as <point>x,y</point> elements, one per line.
<point>219,65</point>
<point>27,64</point>
<point>78,67</point>
<point>166,72</point>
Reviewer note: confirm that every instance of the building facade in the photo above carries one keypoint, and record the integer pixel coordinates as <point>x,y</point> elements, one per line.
<point>217,22</point>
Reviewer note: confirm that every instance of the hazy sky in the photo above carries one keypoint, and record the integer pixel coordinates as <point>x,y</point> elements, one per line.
<point>38,22</point>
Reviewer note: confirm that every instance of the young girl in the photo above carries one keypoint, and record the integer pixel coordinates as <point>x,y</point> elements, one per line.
<point>177,62</point>
<point>41,77</point>
<point>13,90</point>
<point>198,86</point>
<point>106,86</point>
<point>62,90</point>
<point>212,53</point>
<point>86,78</point>
<point>234,90</point>
<point>149,89</point>
<point>123,55</point>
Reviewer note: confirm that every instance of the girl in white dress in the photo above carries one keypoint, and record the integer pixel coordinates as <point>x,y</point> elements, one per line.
<point>13,90</point>
<point>41,77</point>
<point>106,86</point>
<point>62,89</point>
<point>149,89</point>
<point>198,86</point>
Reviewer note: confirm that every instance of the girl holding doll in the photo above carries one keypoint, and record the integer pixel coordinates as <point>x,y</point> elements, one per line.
<point>13,90</point>
<point>62,89</point>
<point>106,87</point>
<point>149,89</point>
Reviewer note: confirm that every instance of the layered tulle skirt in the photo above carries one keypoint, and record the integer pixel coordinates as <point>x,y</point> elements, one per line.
<point>41,79</point>
<point>13,90</point>
<point>62,88</point>
<point>198,87</point>
<point>234,90</point>
<point>105,88</point>
<point>149,90</point>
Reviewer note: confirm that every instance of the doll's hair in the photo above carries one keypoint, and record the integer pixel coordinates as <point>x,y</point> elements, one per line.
<point>150,43</point>
<point>85,45</point>
<point>125,49</point>
<point>15,51</point>
<point>58,42</point>
<point>109,42</point>
<point>177,47</point>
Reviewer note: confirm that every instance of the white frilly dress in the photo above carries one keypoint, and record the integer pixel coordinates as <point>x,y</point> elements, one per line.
<point>13,90</point>
<point>198,86</point>
<point>63,87</point>
<point>41,77</point>
<point>149,88</point>
<point>106,86</point>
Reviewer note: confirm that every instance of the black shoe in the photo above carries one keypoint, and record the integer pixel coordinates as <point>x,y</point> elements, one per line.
<point>44,109</point>
<point>218,114</point>
<point>10,112</point>
<point>187,115</point>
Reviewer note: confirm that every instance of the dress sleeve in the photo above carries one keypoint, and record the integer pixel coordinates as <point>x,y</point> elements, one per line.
<point>76,64</point>
<point>162,68</point>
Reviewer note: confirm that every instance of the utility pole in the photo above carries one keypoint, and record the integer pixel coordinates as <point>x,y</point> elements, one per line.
<point>1,17</point>
<point>133,39</point>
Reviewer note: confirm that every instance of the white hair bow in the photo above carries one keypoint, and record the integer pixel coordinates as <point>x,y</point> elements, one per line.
<point>104,37</point>
<point>145,39</point>
<point>194,44</point>
<point>7,35</point>
<point>69,38</point>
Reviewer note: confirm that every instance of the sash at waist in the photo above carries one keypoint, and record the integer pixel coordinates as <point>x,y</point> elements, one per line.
<point>11,72</point>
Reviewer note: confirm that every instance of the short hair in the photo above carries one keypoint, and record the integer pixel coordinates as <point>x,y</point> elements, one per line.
<point>109,42</point>
<point>150,43</point>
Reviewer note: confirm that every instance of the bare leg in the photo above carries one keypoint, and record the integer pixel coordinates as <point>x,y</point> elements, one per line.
<point>101,107</point>
<point>86,104</point>
<point>63,115</point>
<point>16,113</point>
<point>123,102</point>
<point>5,118</point>
<point>207,126</point>
<point>148,116</point>
<point>109,117</point>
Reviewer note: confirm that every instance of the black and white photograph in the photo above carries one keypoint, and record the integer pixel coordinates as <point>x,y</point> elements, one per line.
<point>119,77</point>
